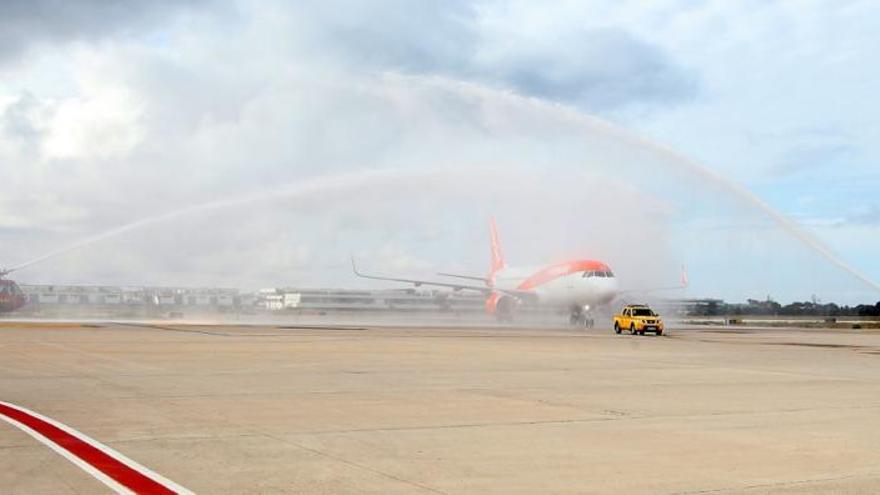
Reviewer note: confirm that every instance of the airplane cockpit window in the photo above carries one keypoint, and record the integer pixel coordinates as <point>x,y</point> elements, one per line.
<point>598,273</point>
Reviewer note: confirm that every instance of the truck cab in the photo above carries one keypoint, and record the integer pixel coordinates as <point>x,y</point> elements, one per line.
<point>638,319</point>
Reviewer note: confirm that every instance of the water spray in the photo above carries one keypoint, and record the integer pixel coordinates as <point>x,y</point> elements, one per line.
<point>317,186</point>
<point>591,123</point>
<point>472,91</point>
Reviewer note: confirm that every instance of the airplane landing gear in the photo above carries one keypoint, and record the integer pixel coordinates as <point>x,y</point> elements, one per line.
<point>581,317</point>
<point>505,309</point>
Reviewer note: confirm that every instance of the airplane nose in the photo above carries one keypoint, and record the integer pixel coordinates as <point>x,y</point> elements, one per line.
<point>609,292</point>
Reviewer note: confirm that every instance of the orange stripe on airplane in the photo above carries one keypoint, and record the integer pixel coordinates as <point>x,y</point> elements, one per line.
<point>553,272</point>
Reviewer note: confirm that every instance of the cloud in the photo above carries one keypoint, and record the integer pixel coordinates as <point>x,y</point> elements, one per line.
<point>598,69</point>
<point>807,154</point>
<point>154,115</point>
<point>24,23</point>
<point>868,215</point>
<point>20,123</point>
<point>434,35</point>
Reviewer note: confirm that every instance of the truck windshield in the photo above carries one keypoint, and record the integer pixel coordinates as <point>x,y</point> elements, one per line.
<point>642,312</point>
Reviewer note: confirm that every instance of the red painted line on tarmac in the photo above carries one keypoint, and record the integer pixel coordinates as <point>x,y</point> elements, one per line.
<point>86,451</point>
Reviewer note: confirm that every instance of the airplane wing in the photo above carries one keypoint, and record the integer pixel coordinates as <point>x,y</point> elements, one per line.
<point>487,291</point>
<point>466,277</point>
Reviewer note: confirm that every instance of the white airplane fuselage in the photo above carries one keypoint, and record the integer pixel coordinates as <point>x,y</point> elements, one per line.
<point>581,283</point>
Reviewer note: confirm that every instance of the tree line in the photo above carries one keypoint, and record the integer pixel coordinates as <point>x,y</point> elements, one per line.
<point>772,308</point>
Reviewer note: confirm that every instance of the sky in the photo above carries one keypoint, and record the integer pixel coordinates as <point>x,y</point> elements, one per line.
<point>642,133</point>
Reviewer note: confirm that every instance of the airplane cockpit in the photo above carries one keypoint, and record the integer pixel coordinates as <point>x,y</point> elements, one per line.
<point>598,273</point>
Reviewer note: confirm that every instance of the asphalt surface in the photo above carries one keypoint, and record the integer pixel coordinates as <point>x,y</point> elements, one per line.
<point>351,409</point>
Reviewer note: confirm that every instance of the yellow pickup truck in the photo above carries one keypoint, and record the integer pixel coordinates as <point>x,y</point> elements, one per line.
<point>638,318</point>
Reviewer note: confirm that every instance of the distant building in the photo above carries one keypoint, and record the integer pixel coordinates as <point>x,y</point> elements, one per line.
<point>270,299</point>
<point>79,295</point>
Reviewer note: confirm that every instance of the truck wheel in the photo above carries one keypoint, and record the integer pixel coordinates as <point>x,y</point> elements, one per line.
<point>632,329</point>
<point>659,332</point>
<point>616,328</point>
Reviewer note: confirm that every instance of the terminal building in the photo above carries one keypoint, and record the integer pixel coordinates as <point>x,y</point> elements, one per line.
<point>290,299</point>
<point>79,295</point>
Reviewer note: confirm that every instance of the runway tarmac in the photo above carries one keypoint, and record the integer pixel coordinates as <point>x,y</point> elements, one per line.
<point>351,409</point>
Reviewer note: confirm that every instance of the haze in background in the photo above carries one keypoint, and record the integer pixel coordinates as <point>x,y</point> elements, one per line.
<point>110,116</point>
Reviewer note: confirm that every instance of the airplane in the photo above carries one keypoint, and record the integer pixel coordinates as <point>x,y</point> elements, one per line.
<point>580,285</point>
